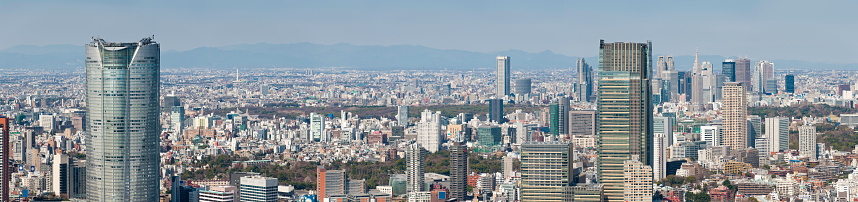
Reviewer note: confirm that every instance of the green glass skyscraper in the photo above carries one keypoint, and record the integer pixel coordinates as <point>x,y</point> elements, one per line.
<point>624,112</point>
<point>122,91</point>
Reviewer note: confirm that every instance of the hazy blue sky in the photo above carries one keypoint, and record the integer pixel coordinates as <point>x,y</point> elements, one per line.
<point>817,31</point>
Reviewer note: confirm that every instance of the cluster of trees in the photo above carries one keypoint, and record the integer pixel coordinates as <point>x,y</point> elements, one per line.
<point>302,174</point>
<point>699,197</point>
<point>676,181</point>
<point>840,138</point>
<point>799,111</point>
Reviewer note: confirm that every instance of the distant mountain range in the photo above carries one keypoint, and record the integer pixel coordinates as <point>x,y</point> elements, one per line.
<point>367,57</point>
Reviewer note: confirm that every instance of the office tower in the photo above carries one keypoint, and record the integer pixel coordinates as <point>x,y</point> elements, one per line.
<point>458,171</point>
<point>503,77</point>
<point>742,72</point>
<point>177,118</point>
<point>720,79</point>
<point>496,110</point>
<point>763,71</point>
<point>735,114</point>
<point>402,115</point>
<point>660,66</point>
<point>546,171</point>
<point>429,133</point>
<point>559,111</point>
<point>697,82</point>
<point>624,115</point>
<point>60,174</point>
<point>258,189</point>
<point>219,194</point>
<point>489,136</point>
<point>522,87</point>
<point>771,87</point>
<point>807,142</point>
<point>582,123</point>
<point>671,77</point>
<point>77,179</point>
<point>317,128</point>
<point>755,129</point>
<point>169,102</point>
<point>122,140</point>
<point>47,122</point>
<point>180,191</point>
<point>711,135</point>
<point>415,157</point>
<point>789,83</point>
<point>585,82</point>
<point>841,88</point>
<point>637,179</point>
<point>777,132</point>
<point>330,182</point>
<point>659,158</point>
<point>664,125</point>
<point>728,69</point>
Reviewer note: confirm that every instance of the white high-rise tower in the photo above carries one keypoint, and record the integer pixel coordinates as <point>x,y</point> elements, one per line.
<point>503,76</point>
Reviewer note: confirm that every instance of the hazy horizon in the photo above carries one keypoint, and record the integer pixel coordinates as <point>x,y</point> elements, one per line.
<point>773,30</point>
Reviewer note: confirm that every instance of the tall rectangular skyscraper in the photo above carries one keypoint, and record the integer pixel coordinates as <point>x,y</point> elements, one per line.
<point>728,68</point>
<point>742,72</point>
<point>546,171</point>
<point>415,160</point>
<point>122,91</point>
<point>495,110</point>
<point>777,133</point>
<point>585,82</point>
<point>503,76</point>
<point>624,113</point>
<point>458,170</point>
<point>789,83</point>
<point>807,142</point>
<point>402,115</point>
<point>735,113</point>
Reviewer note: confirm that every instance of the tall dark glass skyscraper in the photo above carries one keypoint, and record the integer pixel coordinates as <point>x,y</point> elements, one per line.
<point>122,91</point>
<point>496,110</point>
<point>585,82</point>
<point>458,171</point>
<point>728,68</point>
<point>624,115</point>
<point>789,83</point>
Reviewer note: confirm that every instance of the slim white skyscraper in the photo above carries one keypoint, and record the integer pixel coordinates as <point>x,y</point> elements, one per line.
<point>503,76</point>
<point>429,133</point>
<point>402,115</point>
<point>807,142</point>
<point>415,160</point>
<point>317,128</point>
<point>777,133</point>
<point>122,91</point>
<point>659,160</point>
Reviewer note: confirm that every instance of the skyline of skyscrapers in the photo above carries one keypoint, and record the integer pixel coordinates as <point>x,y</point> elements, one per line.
<point>122,96</point>
<point>624,112</point>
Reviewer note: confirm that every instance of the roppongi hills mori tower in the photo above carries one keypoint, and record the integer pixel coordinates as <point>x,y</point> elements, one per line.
<point>122,91</point>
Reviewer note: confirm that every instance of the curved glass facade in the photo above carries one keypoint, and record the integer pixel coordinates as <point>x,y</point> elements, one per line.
<point>122,91</point>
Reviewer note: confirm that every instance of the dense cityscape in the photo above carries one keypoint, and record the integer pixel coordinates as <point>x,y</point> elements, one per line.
<point>621,129</point>
<point>411,101</point>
